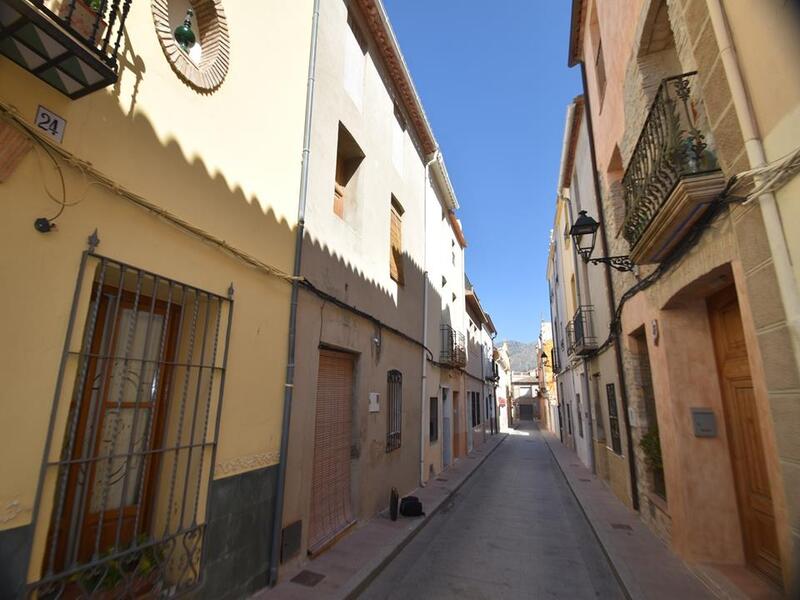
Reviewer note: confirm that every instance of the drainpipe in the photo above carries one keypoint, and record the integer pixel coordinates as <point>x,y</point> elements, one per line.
<point>756,155</point>
<point>623,390</point>
<point>288,389</point>
<point>424,382</point>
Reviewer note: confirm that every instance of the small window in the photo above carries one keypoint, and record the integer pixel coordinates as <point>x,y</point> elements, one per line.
<point>444,281</point>
<point>394,415</point>
<point>348,159</point>
<point>569,418</point>
<point>396,242</point>
<point>475,402</point>
<point>398,139</point>
<point>355,61</point>
<point>599,60</point>
<point>454,297</point>
<point>434,419</point>
<point>454,258</point>
<point>613,419</point>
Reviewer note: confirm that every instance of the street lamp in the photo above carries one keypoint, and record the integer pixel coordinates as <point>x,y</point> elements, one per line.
<point>584,235</point>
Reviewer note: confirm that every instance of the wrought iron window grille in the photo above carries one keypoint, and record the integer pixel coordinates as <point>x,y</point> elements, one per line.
<point>394,414</point>
<point>125,498</point>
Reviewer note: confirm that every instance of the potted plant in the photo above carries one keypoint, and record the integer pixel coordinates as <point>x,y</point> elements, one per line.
<point>132,576</point>
<point>84,16</point>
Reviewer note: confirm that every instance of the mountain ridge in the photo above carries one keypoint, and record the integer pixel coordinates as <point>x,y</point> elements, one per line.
<point>521,354</point>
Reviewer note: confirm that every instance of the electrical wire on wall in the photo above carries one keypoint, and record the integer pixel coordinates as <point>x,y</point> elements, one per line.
<point>743,187</point>
<point>95,177</point>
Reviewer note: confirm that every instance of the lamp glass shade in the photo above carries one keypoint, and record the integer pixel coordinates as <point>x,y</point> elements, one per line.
<point>584,234</point>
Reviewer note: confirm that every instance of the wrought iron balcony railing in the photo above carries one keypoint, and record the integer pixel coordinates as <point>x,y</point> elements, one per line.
<point>70,44</point>
<point>454,350</point>
<point>580,332</point>
<point>672,149</point>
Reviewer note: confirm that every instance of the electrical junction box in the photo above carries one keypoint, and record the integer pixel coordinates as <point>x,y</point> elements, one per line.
<point>374,402</point>
<point>704,422</point>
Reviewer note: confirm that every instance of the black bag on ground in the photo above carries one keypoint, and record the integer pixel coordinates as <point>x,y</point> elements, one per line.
<point>410,506</point>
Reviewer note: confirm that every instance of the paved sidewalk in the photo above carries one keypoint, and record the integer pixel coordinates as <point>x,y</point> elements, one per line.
<point>355,560</point>
<point>644,564</point>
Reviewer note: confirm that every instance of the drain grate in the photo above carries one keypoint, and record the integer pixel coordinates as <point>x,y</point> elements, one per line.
<point>622,526</point>
<point>586,480</point>
<point>308,578</point>
<point>441,479</point>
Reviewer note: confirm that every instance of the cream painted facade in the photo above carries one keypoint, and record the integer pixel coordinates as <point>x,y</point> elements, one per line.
<point>383,258</point>
<point>720,314</point>
<point>191,176</point>
<point>590,378</point>
<point>149,136</point>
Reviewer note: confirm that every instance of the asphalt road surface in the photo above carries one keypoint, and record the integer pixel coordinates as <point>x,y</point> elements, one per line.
<point>514,530</point>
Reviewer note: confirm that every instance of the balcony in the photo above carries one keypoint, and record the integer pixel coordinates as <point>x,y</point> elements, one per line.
<point>70,44</point>
<point>672,176</point>
<point>580,332</point>
<point>454,350</point>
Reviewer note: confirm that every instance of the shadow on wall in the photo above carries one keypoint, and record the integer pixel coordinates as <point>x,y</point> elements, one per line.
<point>131,152</point>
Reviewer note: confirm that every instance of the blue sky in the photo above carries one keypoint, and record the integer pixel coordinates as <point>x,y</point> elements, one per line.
<point>494,80</point>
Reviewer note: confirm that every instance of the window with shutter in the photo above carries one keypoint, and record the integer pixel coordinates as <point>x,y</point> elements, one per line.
<point>348,159</point>
<point>396,242</point>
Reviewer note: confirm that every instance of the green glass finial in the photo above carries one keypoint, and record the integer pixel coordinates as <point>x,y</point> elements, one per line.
<point>184,34</point>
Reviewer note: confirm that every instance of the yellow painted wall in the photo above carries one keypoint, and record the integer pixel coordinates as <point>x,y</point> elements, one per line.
<point>228,162</point>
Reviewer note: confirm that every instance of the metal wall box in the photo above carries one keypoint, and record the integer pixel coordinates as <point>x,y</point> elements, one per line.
<point>704,422</point>
<point>374,402</point>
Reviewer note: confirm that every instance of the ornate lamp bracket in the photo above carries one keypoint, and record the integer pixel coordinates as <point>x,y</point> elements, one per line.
<point>620,263</point>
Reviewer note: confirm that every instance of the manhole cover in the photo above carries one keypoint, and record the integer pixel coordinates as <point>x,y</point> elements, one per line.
<point>622,526</point>
<point>308,578</point>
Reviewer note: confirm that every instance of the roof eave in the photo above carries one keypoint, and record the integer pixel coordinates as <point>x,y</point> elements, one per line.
<point>575,33</point>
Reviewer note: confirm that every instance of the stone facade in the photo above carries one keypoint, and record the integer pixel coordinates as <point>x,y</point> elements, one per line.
<point>644,42</point>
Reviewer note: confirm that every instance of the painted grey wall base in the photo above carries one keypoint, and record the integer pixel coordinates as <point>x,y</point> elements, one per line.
<point>238,534</point>
<point>15,545</point>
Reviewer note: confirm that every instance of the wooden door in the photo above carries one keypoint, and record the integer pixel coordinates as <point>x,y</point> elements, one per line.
<point>744,435</point>
<point>330,486</point>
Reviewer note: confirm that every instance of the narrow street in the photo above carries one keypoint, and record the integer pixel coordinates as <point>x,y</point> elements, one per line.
<point>514,530</point>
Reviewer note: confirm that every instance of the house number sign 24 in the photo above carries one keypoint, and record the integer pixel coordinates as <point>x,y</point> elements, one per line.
<point>50,123</point>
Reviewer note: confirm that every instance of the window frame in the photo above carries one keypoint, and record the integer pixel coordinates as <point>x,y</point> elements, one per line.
<point>613,419</point>
<point>168,381</point>
<point>433,418</point>
<point>396,263</point>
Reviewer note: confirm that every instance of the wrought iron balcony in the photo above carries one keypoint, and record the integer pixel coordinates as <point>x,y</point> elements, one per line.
<point>70,44</point>
<point>580,332</point>
<point>672,175</point>
<point>454,350</point>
